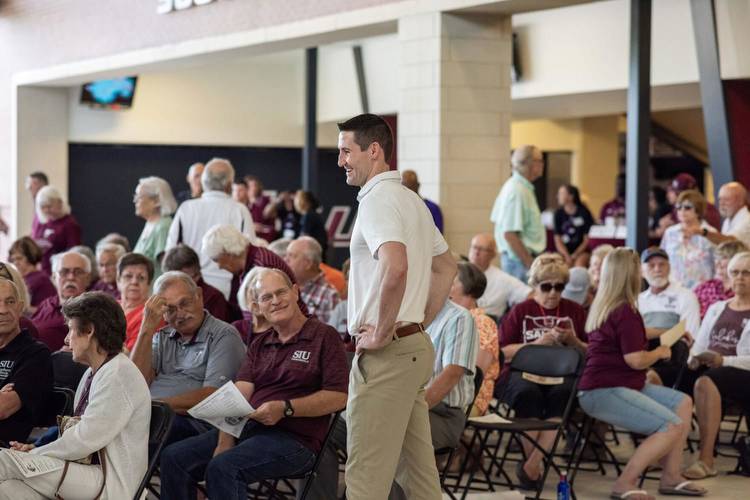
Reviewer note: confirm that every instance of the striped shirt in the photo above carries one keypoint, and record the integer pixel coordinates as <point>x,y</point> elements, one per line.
<point>320,297</point>
<point>456,342</point>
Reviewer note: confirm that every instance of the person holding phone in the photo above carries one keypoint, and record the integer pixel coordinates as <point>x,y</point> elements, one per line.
<point>545,318</point>
<point>719,363</point>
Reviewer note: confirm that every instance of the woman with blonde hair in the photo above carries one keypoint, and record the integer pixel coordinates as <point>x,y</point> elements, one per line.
<point>613,386</point>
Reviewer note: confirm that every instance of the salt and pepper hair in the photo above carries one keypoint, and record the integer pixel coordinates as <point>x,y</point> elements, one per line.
<point>218,175</point>
<point>265,271</point>
<point>45,196</point>
<point>312,249</point>
<point>114,248</point>
<point>522,157</point>
<point>279,246</point>
<point>223,238</point>
<point>91,256</point>
<point>57,259</point>
<point>159,189</point>
<point>169,278</point>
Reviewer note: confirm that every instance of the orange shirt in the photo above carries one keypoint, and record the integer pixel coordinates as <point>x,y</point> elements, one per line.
<point>133,320</point>
<point>335,278</point>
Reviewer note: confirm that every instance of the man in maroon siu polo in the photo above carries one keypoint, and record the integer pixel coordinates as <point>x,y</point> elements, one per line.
<point>71,274</point>
<point>295,376</point>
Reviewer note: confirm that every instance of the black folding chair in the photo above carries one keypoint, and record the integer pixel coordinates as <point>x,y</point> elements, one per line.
<point>61,403</point>
<point>555,365</point>
<point>161,421</point>
<point>67,373</point>
<point>270,488</point>
<point>451,451</point>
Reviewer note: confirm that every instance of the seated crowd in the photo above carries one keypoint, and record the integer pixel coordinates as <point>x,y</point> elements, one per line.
<point>210,295</point>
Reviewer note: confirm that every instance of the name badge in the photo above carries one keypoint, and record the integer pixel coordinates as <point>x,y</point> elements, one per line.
<point>538,379</point>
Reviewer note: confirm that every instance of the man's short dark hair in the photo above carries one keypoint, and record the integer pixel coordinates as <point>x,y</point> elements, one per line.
<point>369,128</point>
<point>136,259</point>
<point>100,311</point>
<point>472,279</point>
<point>179,258</point>
<point>40,176</point>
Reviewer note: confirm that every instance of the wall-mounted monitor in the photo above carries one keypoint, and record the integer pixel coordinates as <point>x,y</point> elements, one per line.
<point>109,94</point>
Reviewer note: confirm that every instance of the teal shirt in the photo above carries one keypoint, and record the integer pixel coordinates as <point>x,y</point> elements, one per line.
<point>516,210</point>
<point>152,244</point>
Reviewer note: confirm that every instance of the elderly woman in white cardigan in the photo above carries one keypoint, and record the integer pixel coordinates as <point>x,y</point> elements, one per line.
<point>720,363</point>
<point>114,407</point>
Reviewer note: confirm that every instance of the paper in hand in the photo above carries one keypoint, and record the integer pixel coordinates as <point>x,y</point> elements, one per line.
<point>32,465</point>
<point>490,418</point>
<point>671,336</point>
<point>226,409</point>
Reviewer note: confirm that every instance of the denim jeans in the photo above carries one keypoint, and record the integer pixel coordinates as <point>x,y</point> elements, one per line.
<point>645,412</point>
<point>261,453</point>
<point>513,266</point>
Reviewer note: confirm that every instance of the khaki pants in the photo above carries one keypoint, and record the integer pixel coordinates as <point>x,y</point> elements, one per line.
<point>388,422</point>
<point>81,482</point>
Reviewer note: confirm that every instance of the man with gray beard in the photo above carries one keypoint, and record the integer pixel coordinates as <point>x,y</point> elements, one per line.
<point>662,306</point>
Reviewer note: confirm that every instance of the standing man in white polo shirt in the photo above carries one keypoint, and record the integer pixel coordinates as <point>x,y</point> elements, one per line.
<point>394,289</point>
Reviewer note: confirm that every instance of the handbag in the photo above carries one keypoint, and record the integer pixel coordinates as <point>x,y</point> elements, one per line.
<point>65,423</point>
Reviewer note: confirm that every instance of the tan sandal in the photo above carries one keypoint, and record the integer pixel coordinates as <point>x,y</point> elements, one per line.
<point>699,470</point>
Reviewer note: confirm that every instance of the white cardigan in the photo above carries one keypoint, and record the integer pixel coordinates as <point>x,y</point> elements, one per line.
<point>742,359</point>
<point>117,419</point>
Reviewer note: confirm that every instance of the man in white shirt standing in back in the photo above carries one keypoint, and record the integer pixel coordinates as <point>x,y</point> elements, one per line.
<point>503,290</point>
<point>195,217</point>
<point>394,289</point>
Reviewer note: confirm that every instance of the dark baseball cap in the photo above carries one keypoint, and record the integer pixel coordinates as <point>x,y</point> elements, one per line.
<point>653,252</point>
<point>683,182</point>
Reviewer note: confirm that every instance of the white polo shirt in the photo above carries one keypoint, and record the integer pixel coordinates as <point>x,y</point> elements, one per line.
<point>738,226</point>
<point>502,290</point>
<point>667,308</point>
<point>390,212</point>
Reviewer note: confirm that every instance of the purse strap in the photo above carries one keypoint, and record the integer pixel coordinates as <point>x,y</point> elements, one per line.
<point>102,461</point>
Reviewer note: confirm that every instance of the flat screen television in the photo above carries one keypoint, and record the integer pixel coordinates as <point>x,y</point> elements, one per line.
<point>109,94</point>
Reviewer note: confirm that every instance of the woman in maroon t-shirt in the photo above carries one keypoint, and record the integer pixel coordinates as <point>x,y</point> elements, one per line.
<point>613,386</point>
<point>26,255</point>
<point>58,230</point>
<point>545,318</point>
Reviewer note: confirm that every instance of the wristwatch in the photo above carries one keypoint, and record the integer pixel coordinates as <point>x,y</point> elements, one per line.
<point>705,232</point>
<point>288,410</point>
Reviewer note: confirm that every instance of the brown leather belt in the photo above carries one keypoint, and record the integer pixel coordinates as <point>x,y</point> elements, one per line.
<point>410,329</point>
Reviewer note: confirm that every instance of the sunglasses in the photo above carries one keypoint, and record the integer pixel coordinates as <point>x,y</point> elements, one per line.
<point>547,287</point>
<point>685,206</point>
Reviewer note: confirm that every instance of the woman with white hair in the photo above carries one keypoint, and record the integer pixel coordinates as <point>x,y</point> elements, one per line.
<point>252,321</point>
<point>155,203</point>
<point>57,230</point>
<point>107,255</point>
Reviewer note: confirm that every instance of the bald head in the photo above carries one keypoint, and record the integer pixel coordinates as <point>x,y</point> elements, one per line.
<point>409,179</point>
<point>218,176</point>
<point>732,197</point>
<point>303,256</point>
<point>483,250</point>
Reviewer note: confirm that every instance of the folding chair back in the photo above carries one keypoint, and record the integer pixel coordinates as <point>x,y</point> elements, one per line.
<point>61,403</point>
<point>548,361</point>
<point>310,476</point>
<point>67,373</point>
<point>161,421</point>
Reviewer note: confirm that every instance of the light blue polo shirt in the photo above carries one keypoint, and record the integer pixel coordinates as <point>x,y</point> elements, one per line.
<point>516,210</point>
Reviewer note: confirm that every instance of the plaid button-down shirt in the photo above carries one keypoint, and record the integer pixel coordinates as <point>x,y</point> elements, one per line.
<point>320,297</point>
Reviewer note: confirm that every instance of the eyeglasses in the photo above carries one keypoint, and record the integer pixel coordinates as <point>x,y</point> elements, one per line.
<point>685,206</point>
<point>548,287</point>
<point>735,273</point>
<point>77,272</point>
<point>183,305</point>
<point>268,297</point>
<point>5,272</point>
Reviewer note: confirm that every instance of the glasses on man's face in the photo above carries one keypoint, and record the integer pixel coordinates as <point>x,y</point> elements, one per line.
<point>548,287</point>
<point>736,273</point>
<point>183,305</point>
<point>5,272</point>
<point>684,206</point>
<point>77,272</point>
<point>266,298</point>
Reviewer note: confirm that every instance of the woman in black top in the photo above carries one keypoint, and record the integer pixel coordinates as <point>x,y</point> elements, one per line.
<point>572,223</point>
<point>311,223</point>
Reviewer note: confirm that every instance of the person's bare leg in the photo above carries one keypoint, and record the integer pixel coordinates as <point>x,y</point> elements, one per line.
<point>653,378</point>
<point>708,411</point>
<point>533,465</point>
<point>671,463</point>
<point>650,450</point>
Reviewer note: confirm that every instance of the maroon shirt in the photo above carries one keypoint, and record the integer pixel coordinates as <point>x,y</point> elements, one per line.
<point>56,236</point>
<point>258,256</point>
<point>108,288</point>
<point>216,304</point>
<point>267,230</point>
<point>528,321</point>
<point>312,361</point>
<point>727,331</point>
<point>621,333</point>
<point>26,324</point>
<point>50,322</point>
<point>40,287</point>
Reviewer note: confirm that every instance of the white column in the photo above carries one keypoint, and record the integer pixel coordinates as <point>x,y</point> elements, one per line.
<point>454,115</point>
